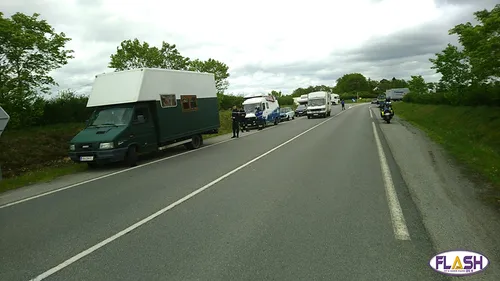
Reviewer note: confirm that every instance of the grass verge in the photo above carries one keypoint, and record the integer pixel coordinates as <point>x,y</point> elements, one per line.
<point>39,154</point>
<point>470,134</point>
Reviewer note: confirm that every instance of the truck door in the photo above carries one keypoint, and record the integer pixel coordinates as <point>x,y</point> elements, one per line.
<point>143,129</point>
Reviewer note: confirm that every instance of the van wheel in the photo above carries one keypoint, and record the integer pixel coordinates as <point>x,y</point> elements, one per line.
<point>131,157</point>
<point>276,121</point>
<point>196,142</point>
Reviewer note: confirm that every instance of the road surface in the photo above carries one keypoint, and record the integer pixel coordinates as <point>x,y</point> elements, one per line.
<point>319,199</point>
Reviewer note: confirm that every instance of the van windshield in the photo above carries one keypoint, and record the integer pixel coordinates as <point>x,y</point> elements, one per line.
<point>316,102</point>
<point>250,108</point>
<point>117,116</point>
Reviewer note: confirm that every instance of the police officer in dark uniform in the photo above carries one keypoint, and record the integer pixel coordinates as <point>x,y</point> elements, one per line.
<point>235,116</point>
<point>242,120</point>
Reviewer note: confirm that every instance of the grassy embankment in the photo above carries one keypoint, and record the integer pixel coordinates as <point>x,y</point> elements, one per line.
<point>40,154</point>
<point>470,134</point>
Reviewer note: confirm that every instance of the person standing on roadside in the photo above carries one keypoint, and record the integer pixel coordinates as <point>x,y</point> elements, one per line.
<point>242,119</point>
<point>343,104</point>
<point>235,116</point>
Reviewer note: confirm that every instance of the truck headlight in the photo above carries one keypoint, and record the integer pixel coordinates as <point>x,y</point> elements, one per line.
<point>72,147</point>
<point>106,145</point>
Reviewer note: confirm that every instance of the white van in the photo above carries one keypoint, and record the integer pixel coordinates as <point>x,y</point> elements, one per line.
<point>261,110</point>
<point>319,104</point>
<point>335,99</point>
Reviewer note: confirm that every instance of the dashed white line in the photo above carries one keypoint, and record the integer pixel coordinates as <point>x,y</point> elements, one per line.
<point>397,217</point>
<point>371,115</point>
<point>167,208</point>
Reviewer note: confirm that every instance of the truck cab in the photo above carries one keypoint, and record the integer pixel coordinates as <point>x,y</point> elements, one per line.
<point>261,111</point>
<point>319,104</point>
<point>114,133</point>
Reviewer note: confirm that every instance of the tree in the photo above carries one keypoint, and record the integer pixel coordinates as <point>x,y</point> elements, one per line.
<point>417,85</point>
<point>30,49</point>
<point>135,54</point>
<point>398,83</point>
<point>454,67</point>
<point>276,94</point>
<point>384,85</point>
<point>304,91</point>
<point>352,83</point>
<point>481,43</point>
<point>219,69</point>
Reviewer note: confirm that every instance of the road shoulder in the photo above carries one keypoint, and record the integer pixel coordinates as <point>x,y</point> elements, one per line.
<point>448,202</point>
<point>62,182</point>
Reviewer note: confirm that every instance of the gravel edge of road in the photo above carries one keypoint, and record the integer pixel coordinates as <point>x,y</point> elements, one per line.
<point>445,197</point>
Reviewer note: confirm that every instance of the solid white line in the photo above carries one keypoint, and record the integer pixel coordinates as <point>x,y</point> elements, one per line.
<point>116,173</point>
<point>169,207</point>
<point>397,217</point>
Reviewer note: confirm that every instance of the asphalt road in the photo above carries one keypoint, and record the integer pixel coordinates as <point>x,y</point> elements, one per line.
<point>304,200</point>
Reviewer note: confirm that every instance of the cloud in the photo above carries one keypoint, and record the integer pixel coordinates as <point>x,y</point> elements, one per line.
<point>267,45</point>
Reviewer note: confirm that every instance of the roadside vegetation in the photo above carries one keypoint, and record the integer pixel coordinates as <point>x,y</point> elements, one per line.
<point>470,134</point>
<point>34,145</point>
<point>462,110</point>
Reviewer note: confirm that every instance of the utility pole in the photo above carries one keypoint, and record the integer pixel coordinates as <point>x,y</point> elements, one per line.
<point>4,119</point>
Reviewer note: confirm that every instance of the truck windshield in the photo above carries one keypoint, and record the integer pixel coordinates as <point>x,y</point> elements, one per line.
<point>250,108</point>
<point>316,102</point>
<point>117,116</point>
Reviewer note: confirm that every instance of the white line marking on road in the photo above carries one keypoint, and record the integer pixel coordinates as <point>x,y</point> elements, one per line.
<point>371,115</point>
<point>118,172</point>
<point>169,207</point>
<point>397,217</point>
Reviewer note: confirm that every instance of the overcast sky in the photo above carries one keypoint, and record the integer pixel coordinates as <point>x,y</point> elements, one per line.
<point>268,45</point>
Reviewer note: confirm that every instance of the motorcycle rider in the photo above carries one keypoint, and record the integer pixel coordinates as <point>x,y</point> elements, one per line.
<point>387,105</point>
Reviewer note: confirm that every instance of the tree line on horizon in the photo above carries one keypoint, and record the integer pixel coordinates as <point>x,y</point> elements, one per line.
<point>31,49</point>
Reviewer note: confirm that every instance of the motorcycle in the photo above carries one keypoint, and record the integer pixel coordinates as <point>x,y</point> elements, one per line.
<point>387,115</point>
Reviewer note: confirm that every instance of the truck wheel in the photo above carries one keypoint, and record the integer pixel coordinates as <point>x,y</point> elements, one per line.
<point>196,142</point>
<point>131,157</point>
<point>308,117</point>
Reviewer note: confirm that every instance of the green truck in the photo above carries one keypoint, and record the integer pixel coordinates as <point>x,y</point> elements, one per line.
<point>145,110</point>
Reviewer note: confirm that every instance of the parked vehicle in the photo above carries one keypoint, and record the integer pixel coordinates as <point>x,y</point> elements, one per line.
<point>302,100</point>
<point>381,100</point>
<point>145,110</point>
<point>374,101</point>
<point>396,94</point>
<point>335,99</point>
<point>261,111</point>
<point>287,113</point>
<point>301,110</point>
<point>319,104</point>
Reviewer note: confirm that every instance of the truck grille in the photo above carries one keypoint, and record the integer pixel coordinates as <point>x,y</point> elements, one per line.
<point>85,146</point>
